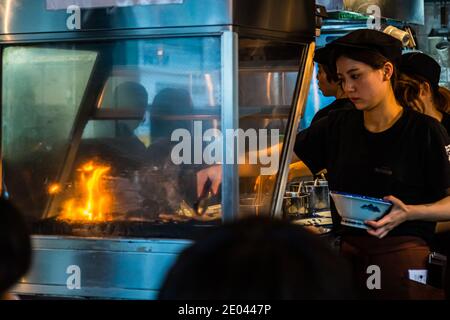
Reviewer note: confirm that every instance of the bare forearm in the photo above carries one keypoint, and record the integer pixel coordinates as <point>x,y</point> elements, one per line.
<point>438,211</point>
<point>246,169</point>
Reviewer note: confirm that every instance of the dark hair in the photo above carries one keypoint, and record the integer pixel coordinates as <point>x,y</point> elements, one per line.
<point>15,246</point>
<point>330,73</point>
<point>408,90</point>
<point>259,258</point>
<point>372,58</point>
<point>169,102</point>
<point>443,100</point>
<point>131,95</point>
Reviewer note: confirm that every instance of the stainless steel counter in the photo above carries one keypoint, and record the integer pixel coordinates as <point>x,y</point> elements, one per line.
<point>99,268</point>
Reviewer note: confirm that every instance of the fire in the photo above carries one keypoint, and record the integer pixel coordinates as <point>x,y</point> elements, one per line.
<point>93,202</point>
<point>54,189</point>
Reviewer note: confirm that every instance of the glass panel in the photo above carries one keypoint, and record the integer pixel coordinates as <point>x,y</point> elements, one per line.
<point>42,91</point>
<point>267,77</point>
<point>124,169</point>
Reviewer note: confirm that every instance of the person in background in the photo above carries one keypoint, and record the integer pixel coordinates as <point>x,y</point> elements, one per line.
<point>259,259</point>
<point>15,248</point>
<point>418,87</point>
<point>329,84</point>
<point>132,96</point>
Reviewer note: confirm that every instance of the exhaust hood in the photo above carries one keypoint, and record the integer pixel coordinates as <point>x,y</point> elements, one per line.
<point>410,11</point>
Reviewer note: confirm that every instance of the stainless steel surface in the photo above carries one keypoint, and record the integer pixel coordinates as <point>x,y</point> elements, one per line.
<point>411,11</point>
<point>256,90</point>
<point>113,268</point>
<point>298,103</point>
<point>285,15</point>
<point>292,16</point>
<point>64,4</point>
<point>230,120</point>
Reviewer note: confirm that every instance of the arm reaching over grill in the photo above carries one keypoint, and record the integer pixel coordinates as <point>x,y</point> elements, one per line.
<point>214,173</point>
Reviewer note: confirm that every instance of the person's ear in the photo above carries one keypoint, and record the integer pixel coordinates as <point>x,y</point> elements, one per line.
<point>425,90</point>
<point>388,71</point>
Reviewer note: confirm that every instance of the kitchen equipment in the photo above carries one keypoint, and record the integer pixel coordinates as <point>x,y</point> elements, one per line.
<point>442,49</point>
<point>296,205</point>
<point>76,96</point>
<point>404,36</point>
<point>319,195</point>
<point>201,205</point>
<point>438,38</point>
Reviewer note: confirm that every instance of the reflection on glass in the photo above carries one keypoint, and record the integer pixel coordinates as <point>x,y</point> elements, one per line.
<point>108,161</point>
<point>267,77</point>
<point>42,91</point>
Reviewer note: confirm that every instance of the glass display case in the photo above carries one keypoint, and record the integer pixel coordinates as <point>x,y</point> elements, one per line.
<point>107,131</point>
<point>88,127</point>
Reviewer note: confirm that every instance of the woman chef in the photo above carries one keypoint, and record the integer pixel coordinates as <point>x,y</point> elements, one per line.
<point>380,148</point>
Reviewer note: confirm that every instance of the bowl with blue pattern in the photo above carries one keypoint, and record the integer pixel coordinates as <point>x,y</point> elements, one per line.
<point>355,209</point>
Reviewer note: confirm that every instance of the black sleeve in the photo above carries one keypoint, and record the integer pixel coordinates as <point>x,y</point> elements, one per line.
<point>322,113</point>
<point>311,145</point>
<point>438,161</point>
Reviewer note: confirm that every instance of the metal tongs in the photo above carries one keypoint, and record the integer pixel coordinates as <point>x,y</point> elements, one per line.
<point>202,203</point>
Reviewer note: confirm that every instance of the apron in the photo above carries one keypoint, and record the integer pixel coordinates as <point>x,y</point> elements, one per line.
<point>394,256</point>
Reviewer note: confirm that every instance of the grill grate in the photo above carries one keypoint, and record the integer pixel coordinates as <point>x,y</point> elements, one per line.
<point>129,229</point>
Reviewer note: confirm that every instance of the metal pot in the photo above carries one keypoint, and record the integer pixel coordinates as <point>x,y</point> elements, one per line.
<point>306,198</point>
<point>296,204</point>
<point>319,194</point>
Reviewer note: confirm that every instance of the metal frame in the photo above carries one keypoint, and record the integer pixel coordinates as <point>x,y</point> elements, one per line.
<point>230,120</point>
<point>297,111</point>
<point>2,191</point>
<point>296,17</point>
<point>107,35</point>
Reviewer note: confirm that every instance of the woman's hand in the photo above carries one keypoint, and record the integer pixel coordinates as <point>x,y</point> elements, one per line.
<point>214,174</point>
<point>398,214</point>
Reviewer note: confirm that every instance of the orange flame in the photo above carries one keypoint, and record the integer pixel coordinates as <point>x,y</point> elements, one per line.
<point>54,188</point>
<point>94,201</point>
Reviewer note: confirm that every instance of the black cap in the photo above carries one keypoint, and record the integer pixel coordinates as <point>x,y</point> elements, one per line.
<point>377,41</point>
<point>420,64</point>
<point>323,55</point>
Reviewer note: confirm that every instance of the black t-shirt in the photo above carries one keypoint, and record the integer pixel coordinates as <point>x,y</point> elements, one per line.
<point>446,122</point>
<point>410,161</point>
<point>338,104</point>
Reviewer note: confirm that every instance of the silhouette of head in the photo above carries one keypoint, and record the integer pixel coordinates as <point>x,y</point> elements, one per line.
<point>259,258</point>
<point>133,96</point>
<point>15,246</point>
<point>167,103</point>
